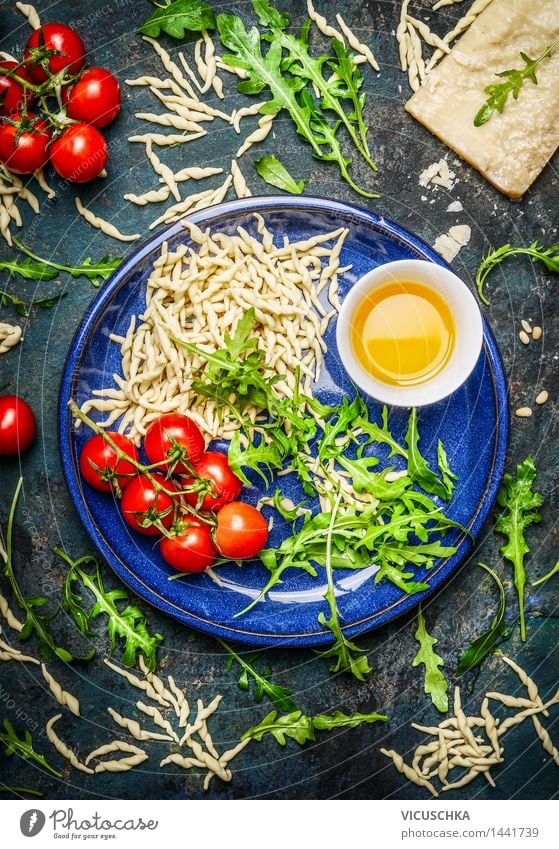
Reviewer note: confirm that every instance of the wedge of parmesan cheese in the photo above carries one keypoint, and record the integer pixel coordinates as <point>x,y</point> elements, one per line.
<point>512,148</point>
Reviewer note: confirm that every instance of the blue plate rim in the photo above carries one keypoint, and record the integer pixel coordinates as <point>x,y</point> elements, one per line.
<point>71,476</point>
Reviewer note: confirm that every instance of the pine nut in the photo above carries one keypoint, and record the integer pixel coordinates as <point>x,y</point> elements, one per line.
<point>523,412</point>
<point>526,326</point>
<point>537,333</point>
<point>542,397</point>
<point>524,338</point>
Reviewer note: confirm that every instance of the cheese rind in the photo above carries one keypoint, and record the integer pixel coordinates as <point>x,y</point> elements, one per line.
<point>512,148</point>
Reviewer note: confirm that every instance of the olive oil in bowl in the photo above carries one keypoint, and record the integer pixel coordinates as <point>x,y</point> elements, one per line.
<point>403,333</point>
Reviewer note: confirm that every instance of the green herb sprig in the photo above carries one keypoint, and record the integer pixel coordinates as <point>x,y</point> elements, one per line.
<point>515,78</point>
<point>126,622</point>
<point>278,695</point>
<point>23,747</point>
<point>301,727</point>
<point>23,307</point>
<point>520,504</point>
<point>276,174</point>
<point>548,256</point>
<point>550,574</point>
<point>178,17</point>
<point>435,684</point>
<point>483,645</point>
<point>46,269</point>
<point>35,622</point>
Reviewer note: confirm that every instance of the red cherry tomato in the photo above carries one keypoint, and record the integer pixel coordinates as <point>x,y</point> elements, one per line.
<point>241,532</point>
<point>94,98</point>
<point>79,154</point>
<point>18,427</point>
<point>191,550</point>
<point>26,152</point>
<point>100,466</point>
<point>145,508</point>
<point>70,52</point>
<point>12,93</point>
<point>224,485</point>
<point>174,438</point>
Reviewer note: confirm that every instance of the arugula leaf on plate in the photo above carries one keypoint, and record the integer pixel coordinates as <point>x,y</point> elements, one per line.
<point>435,684</point>
<point>178,17</point>
<point>482,645</point>
<point>418,467</point>
<point>520,504</point>
<point>276,174</point>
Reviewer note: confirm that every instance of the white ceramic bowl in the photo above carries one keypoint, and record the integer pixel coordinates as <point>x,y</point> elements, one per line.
<point>467,344</point>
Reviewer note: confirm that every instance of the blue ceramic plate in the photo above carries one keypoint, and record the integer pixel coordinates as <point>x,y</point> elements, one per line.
<point>473,425</point>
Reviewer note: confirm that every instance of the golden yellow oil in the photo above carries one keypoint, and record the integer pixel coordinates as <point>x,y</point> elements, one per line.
<point>403,333</point>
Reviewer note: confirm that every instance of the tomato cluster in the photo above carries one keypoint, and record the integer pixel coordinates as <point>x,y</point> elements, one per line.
<point>186,495</point>
<point>53,107</point>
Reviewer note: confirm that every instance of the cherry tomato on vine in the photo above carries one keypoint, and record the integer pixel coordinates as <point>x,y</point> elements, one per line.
<point>145,508</point>
<point>191,550</point>
<point>174,438</point>
<point>79,154</point>
<point>23,143</point>
<point>100,466</point>
<point>12,93</point>
<point>241,531</point>
<point>93,98</point>
<point>224,485</point>
<point>18,427</point>
<point>60,47</point>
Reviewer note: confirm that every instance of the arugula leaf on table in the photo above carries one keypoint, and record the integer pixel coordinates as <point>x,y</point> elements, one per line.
<point>28,269</point>
<point>276,174</point>
<point>348,87</point>
<point>35,622</point>
<point>549,575</point>
<point>265,71</point>
<point>520,504</point>
<point>499,93</point>
<point>23,307</point>
<point>178,17</point>
<point>418,467</point>
<point>482,645</point>
<point>436,684</point>
<point>24,747</point>
<point>549,257</point>
<point>17,790</point>
<point>127,623</point>
<point>279,696</point>
<point>300,727</point>
<point>95,271</point>
<point>295,725</point>
<point>269,16</point>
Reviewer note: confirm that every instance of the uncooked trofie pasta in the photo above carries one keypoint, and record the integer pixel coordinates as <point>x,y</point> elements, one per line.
<point>62,696</point>
<point>162,140</point>
<point>62,748</point>
<point>262,131</point>
<point>30,12</point>
<point>223,276</point>
<point>5,609</point>
<point>357,45</point>
<point>134,728</point>
<point>243,112</point>
<point>10,335</point>
<point>322,24</point>
<point>153,196</point>
<point>105,226</point>
<point>114,746</point>
<point>239,182</point>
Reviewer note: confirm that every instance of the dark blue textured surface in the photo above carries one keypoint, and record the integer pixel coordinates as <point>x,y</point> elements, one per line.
<point>472,423</point>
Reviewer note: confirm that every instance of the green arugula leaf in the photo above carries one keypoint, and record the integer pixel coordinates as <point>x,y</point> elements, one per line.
<point>179,17</point>
<point>23,307</point>
<point>265,72</point>
<point>482,645</point>
<point>253,457</point>
<point>379,433</point>
<point>279,696</point>
<point>548,256</point>
<point>348,87</point>
<point>341,423</point>
<point>127,623</point>
<point>18,790</point>
<point>287,513</point>
<point>549,575</point>
<point>295,725</point>
<point>96,272</point>
<point>359,469</point>
<point>418,468</point>
<point>276,174</point>
<point>499,93</point>
<point>520,504</point>
<point>24,748</point>
<point>268,16</point>
<point>300,727</point>
<point>436,684</point>
<point>35,623</point>
<point>28,269</point>
<point>448,476</point>
<point>346,654</point>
